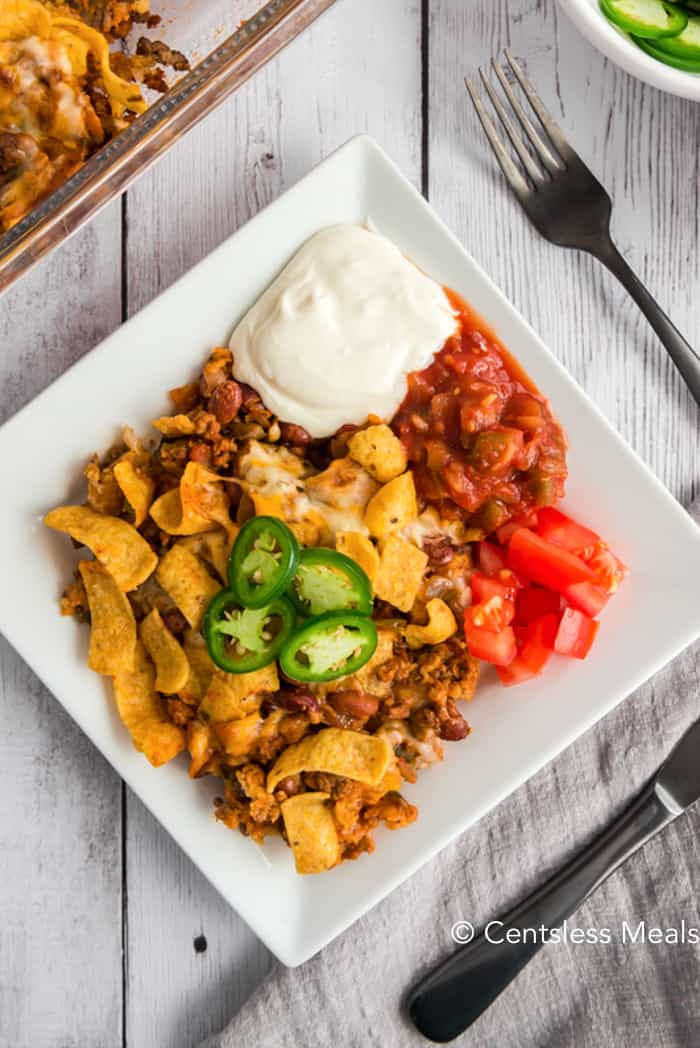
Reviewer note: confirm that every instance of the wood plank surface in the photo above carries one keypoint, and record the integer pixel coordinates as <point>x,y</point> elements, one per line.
<point>60,802</point>
<point>70,837</point>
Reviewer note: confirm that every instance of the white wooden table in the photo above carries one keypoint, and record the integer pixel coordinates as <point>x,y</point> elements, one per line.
<point>109,935</point>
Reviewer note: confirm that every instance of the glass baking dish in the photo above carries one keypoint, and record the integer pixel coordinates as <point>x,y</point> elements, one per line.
<point>226,41</point>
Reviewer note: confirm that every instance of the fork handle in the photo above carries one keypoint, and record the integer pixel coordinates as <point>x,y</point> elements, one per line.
<point>681,352</point>
<point>458,990</point>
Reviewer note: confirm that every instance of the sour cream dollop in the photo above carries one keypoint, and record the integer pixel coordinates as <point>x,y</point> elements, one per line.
<point>334,336</point>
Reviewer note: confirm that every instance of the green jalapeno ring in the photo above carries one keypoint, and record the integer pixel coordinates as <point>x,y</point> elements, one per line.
<point>648,19</point>
<point>350,575</point>
<point>332,645</point>
<point>682,51</point>
<point>226,619</point>
<point>266,548</point>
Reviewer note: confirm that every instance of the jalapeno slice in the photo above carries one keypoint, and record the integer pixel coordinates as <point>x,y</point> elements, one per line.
<point>262,562</point>
<point>240,640</point>
<point>682,51</point>
<point>326,580</point>
<point>328,646</point>
<point>649,19</point>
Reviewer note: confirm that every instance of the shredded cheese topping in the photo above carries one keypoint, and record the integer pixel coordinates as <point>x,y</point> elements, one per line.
<point>21,20</point>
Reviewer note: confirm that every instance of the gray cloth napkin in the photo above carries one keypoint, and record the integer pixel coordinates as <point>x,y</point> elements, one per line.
<point>616,995</point>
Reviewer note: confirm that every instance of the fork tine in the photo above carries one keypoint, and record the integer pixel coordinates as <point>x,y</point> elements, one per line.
<point>508,167</point>
<point>548,123</point>
<point>526,160</point>
<point>545,154</point>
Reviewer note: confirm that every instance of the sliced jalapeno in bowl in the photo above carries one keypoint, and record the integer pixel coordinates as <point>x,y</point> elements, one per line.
<point>647,19</point>
<point>328,646</point>
<point>326,580</point>
<point>262,562</point>
<point>239,639</point>
<point>681,51</point>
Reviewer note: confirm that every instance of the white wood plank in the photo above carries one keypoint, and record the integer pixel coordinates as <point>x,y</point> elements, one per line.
<point>337,80</point>
<point>643,146</point>
<point>60,803</point>
<point>60,311</point>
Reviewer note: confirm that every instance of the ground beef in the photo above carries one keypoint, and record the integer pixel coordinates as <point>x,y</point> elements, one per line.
<point>247,806</point>
<point>179,712</point>
<point>74,600</point>
<point>409,699</point>
<point>441,672</point>
<point>162,54</point>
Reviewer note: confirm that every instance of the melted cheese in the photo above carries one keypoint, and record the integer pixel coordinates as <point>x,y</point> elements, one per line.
<point>39,96</point>
<point>34,25</point>
<point>422,753</point>
<point>316,505</point>
<point>431,525</point>
<point>50,124</point>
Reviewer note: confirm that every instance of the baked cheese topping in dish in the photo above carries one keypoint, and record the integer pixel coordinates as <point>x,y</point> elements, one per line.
<point>63,92</point>
<point>333,338</point>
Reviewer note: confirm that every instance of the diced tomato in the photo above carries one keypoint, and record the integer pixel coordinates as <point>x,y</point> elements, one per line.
<point>491,558</point>
<point>608,570</point>
<point>492,614</point>
<point>588,597</point>
<point>532,602</point>
<point>555,526</point>
<point>576,634</point>
<point>504,585</point>
<point>516,672</point>
<point>535,648</point>
<point>499,648</point>
<point>544,563</point>
<point>539,642</point>
<point>525,520</point>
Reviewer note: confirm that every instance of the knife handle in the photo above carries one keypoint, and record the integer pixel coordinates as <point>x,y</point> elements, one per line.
<point>459,989</point>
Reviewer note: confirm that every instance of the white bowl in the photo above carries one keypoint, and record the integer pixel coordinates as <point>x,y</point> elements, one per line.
<point>590,20</point>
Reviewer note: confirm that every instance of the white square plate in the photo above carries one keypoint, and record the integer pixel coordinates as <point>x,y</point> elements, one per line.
<point>43,450</point>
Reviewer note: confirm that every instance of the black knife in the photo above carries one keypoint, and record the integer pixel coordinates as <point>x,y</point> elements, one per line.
<point>458,990</point>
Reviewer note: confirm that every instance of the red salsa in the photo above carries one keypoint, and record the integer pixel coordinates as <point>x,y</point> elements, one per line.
<point>478,434</point>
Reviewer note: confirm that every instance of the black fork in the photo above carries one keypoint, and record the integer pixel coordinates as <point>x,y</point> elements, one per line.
<point>564,200</point>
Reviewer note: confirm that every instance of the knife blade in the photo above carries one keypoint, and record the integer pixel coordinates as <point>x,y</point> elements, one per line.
<point>449,999</point>
<point>677,781</point>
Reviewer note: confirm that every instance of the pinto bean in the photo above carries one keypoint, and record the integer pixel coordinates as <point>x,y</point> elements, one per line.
<point>353,703</point>
<point>250,395</point>
<point>295,701</point>
<point>225,401</point>
<point>295,435</point>
<point>290,786</point>
<point>455,729</point>
<point>439,549</point>
<point>211,378</point>
<point>175,621</point>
